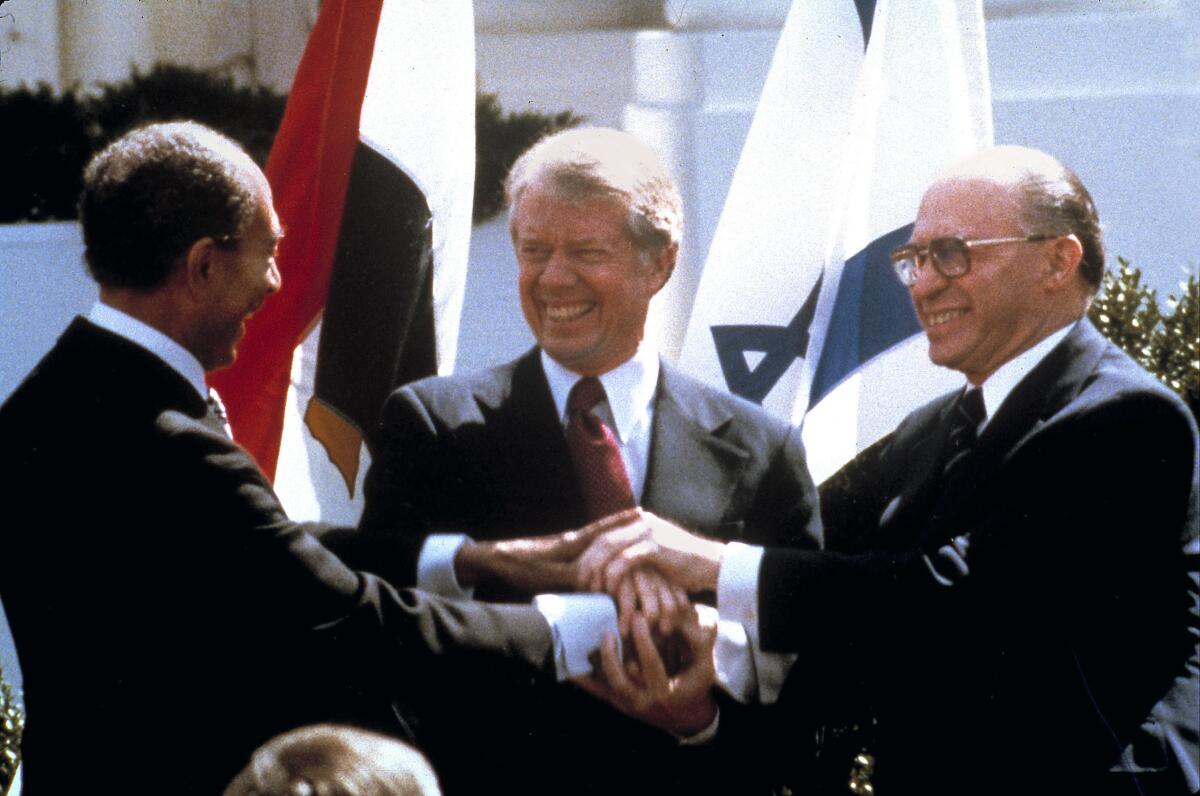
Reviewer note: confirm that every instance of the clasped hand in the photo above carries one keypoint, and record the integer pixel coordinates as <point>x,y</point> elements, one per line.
<point>649,566</point>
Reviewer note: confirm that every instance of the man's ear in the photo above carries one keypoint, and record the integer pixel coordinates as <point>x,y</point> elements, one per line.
<point>200,267</point>
<point>1063,265</point>
<point>662,266</point>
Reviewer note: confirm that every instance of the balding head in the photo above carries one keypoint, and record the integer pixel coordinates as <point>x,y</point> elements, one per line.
<point>1000,243</point>
<point>1050,197</point>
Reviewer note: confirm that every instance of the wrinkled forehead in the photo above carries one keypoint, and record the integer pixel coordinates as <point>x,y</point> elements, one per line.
<point>541,206</point>
<point>968,206</point>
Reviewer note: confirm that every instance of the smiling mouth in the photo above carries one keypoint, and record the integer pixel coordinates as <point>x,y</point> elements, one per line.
<point>567,312</point>
<point>938,318</point>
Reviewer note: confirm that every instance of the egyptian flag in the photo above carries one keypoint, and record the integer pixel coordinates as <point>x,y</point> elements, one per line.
<point>372,172</point>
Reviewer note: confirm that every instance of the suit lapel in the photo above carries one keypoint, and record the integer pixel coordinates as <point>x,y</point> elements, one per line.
<point>693,470</point>
<point>531,466</point>
<point>1055,382</point>
<point>921,450</point>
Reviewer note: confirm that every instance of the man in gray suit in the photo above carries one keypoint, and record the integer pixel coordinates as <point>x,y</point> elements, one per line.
<point>596,223</point>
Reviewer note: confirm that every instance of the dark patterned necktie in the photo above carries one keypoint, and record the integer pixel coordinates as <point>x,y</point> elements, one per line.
<point>969,412</point>
<point>594,452</point>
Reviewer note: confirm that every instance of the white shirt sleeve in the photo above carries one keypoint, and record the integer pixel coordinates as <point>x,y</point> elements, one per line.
<point>746,672</point>
<point>435,566</point>
<point>578,623</point>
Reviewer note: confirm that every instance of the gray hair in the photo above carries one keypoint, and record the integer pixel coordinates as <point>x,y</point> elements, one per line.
<point>595,162</point>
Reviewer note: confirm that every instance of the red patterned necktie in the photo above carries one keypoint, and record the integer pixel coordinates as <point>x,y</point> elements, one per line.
<point>594,452</point>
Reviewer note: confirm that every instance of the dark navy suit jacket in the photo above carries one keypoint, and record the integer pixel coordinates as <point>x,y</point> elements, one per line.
<point>1064,659</point>
<point>168,616</point>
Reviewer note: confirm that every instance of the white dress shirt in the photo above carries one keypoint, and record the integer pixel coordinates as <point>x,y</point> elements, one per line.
<point>737,580</point>
<point>628,410</point>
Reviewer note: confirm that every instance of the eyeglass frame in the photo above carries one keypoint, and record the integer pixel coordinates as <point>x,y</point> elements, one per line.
<point>911,251</point>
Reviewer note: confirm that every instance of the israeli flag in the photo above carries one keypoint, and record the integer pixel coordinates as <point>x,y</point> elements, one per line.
<point>923,102</point>
<point>798,308</point>
<point>754,305</point>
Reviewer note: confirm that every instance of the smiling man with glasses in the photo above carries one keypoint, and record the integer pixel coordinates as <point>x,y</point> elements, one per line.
<point>1011,601</point>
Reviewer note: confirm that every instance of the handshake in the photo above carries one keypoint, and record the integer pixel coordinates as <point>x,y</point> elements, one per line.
<point>651,568</point>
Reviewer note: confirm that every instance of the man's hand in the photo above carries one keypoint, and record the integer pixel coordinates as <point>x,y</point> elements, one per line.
<point>644,541</point>
<point>681,703</point>
<point>664,605</point>
<point>532,564</point>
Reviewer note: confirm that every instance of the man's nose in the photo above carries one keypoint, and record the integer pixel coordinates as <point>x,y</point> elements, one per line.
<point>558,270</point>
<point>927,281</point>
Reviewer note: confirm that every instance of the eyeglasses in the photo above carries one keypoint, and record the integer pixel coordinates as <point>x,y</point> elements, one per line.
<point>950,256</point>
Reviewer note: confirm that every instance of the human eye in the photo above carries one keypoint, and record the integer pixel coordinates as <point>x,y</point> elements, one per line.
<point>533,252</point>
<point>591,254</point>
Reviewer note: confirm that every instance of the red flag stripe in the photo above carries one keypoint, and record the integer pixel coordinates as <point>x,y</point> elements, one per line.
<point>309,169</point>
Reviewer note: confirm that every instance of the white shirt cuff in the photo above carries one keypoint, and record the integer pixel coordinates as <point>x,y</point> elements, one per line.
<point>737,583</point>
<point>578,623</point>
<point>745,672</point>
<point>435,566</point>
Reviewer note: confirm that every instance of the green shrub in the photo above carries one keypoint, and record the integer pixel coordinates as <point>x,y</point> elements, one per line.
<point>48,137</point>
<point>1167,345</point>
<point>12,722</point>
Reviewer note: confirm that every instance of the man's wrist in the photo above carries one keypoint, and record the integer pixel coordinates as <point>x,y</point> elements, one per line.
<point>689,723</point>
<point>473,563</point>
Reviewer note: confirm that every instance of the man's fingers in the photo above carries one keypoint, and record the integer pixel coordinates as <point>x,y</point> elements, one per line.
<point>654,673</point>
<point>602,550</point>
<point>626,606</point>
<point>605,524</point>
<point>623,689</point>
<point>633,556</point>
<point>646,589</point>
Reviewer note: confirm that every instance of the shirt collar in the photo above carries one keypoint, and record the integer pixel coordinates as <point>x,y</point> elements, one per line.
<point>1001,383</point>
<point>141,334</point>
<point>630,388</point>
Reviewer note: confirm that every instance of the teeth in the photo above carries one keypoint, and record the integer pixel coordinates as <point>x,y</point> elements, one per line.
<point>567,312</point>
<point>939,318</point>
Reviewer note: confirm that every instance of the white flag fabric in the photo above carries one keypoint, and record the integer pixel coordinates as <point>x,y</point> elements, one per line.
<point>416,128</point>
<point>749,323</point>
<point>419,109</point>
<point>923,102</point>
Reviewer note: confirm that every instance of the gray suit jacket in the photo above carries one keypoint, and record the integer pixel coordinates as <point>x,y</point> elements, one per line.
<point>485,454</point>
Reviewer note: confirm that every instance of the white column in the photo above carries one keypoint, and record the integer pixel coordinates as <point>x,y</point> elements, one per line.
<point>695,89</point>
<point>29,43</point>
<point>102,40</point>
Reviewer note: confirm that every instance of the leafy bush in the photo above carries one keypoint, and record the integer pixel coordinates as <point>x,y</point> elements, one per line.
<point>500,138</point>
<point>1167,345</point>
<point>12,722</point>
<point>48,137</point>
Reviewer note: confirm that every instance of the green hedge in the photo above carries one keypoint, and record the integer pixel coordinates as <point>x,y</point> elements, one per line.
<point>1166,343</point>
<point>11,724</point>
<point>47,137</point>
